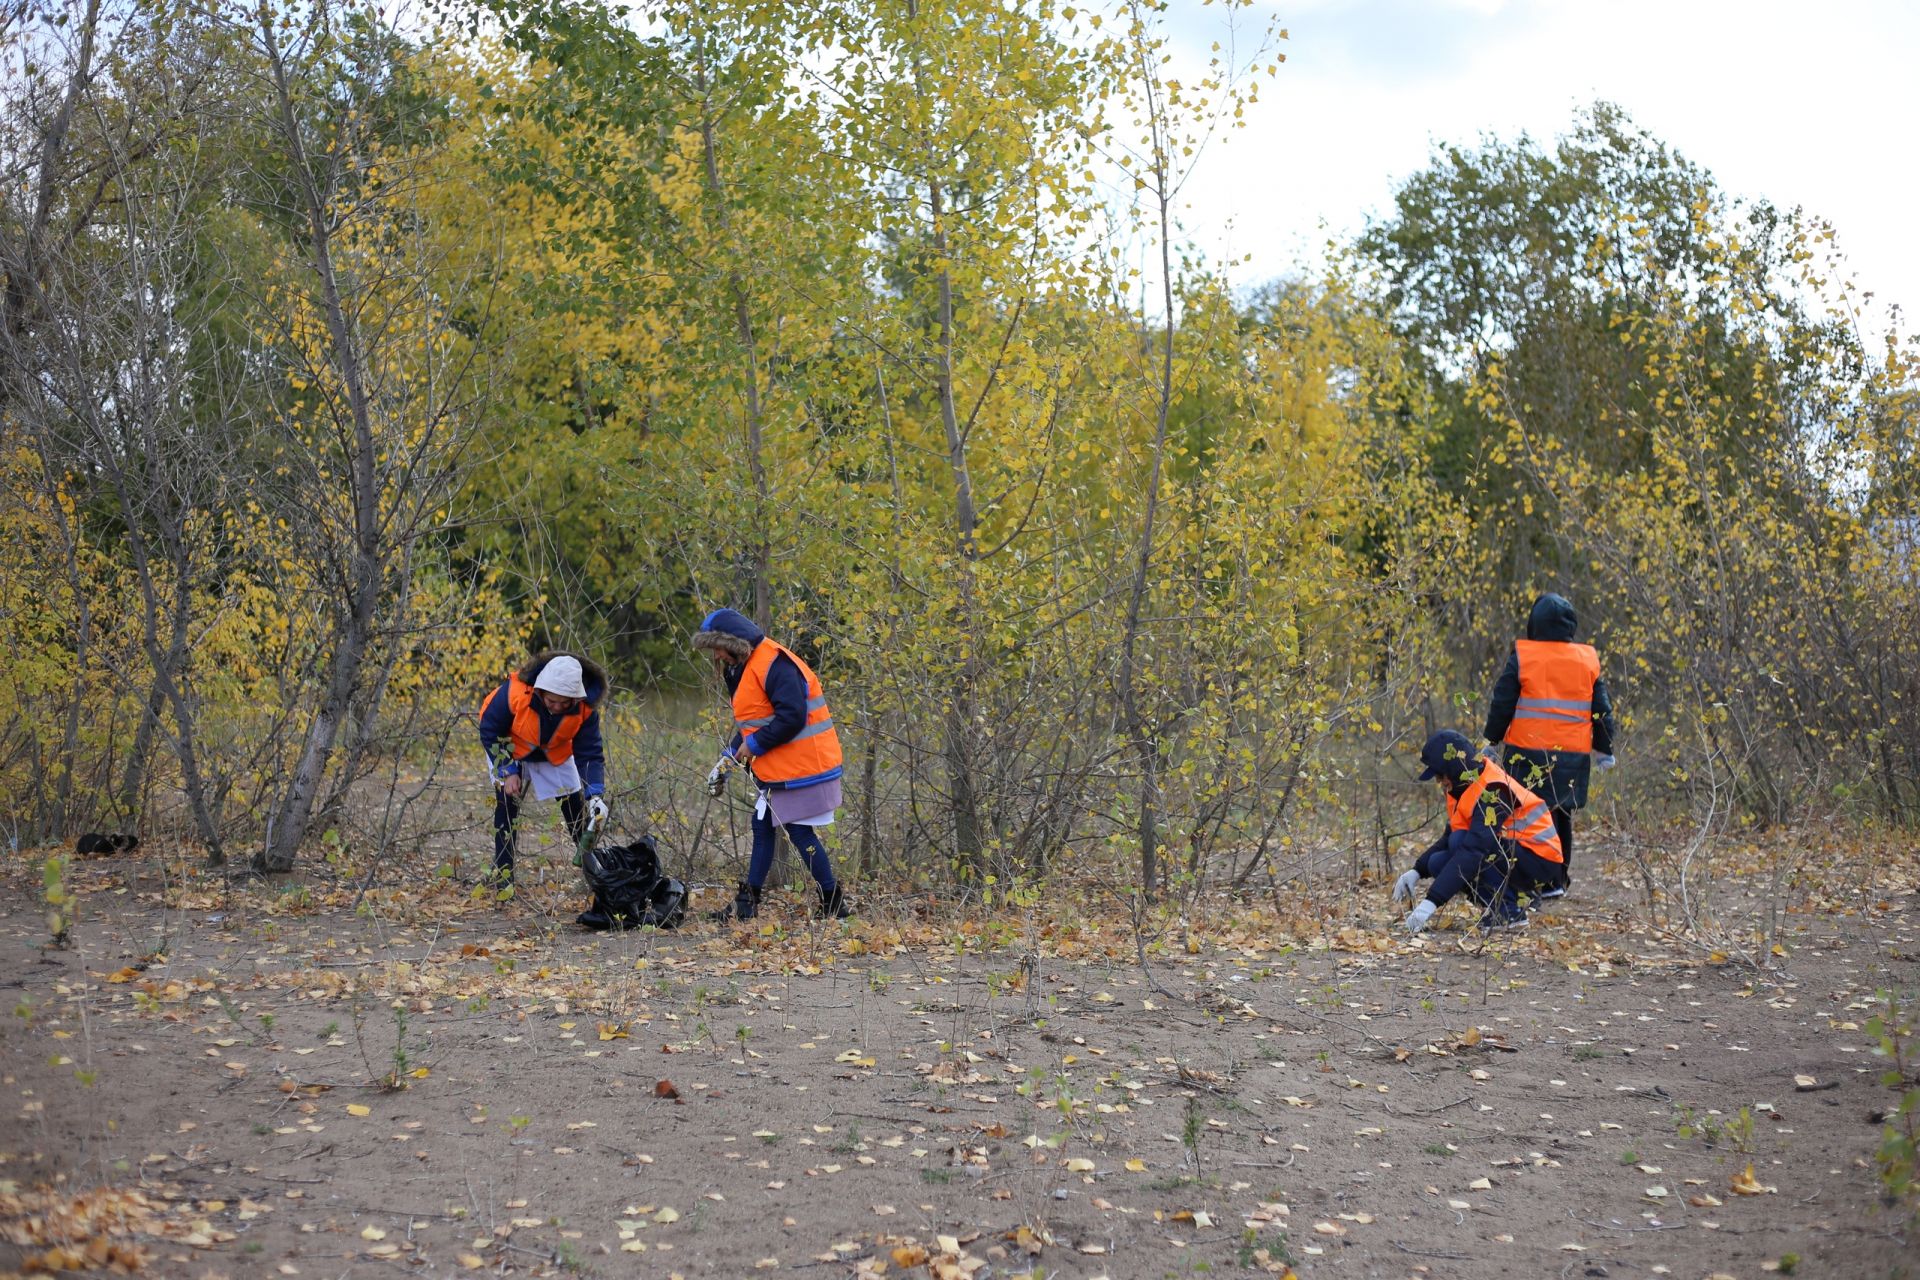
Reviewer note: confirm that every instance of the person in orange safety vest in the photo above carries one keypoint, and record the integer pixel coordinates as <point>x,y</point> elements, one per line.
<point>1551,711</point>
<point>540,730</point>
<point>1499,841</point>
<point>784,735</point>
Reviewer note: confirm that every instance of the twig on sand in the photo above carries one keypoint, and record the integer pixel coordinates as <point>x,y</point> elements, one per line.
<point>1614,1226</point>
<point>868,1115</point>
<point>848,1261</point>
<point>1430,1110</point>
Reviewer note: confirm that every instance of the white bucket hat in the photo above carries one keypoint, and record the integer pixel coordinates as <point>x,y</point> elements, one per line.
<point>562,675</point>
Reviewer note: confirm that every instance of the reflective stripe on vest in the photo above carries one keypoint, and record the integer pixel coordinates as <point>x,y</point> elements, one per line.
<point>813,705</point>
<point>811,755</point>
<point>525,733</point>
<point>1555,708</point>
<point>1529,825</point>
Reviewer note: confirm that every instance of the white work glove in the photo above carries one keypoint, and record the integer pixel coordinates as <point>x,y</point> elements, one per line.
<point>596,811</point>
<point>1604,763</point>
<point>1403,887</point>
<point>1421,914</point>
<point>717,776</point>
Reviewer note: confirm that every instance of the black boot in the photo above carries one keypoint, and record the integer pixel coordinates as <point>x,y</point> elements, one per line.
<point>833,904</point>
<point>745,905</point>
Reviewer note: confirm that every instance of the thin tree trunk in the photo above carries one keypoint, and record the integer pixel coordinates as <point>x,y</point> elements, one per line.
<point>762,552</point>
<point>58,819</point>
<point>133,781</point>
<point>366,718</point>
<point>70,737</point>
<point>356,629</point>
<point>168,664</point>
<point>1139,734</point>
<point>24,273</point>
<point>958,723</point>
<point>25,267</point>
<point>870,767</point>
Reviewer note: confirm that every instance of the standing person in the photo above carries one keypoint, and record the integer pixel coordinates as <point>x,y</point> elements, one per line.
<point>1499,841</point>
<point>541,733</point>
<point>784,735</point>
<point>1551,710</point>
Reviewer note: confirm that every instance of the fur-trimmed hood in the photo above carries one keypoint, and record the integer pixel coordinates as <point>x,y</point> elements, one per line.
<point>591,673</point>
<point>730,632</point>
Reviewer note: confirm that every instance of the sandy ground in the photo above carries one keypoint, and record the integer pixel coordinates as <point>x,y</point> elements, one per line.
<point>202,1073</point>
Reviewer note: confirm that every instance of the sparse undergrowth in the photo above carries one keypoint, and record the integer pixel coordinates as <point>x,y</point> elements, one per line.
<point>1893,1030</point>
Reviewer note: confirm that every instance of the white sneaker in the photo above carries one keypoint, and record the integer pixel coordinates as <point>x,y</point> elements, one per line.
<point>1558,891</point>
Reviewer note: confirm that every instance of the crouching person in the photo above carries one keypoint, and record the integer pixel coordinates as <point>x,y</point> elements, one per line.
<point>1499,842</point>
<point>541,734</point>
<point>784,735</point>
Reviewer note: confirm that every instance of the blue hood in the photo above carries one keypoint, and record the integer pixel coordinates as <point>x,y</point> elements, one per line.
<point>731,622</point>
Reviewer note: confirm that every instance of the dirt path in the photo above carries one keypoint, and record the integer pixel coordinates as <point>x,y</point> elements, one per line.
<point>894,1098</point>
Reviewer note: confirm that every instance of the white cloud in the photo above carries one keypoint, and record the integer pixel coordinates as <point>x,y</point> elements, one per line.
<point>1797,105</point>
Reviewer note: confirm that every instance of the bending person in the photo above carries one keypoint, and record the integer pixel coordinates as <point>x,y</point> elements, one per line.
<point>784,735</point>
<point>541,734</point>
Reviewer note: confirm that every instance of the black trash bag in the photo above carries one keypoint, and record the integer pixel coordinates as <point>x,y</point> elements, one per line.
<point>629,889</point>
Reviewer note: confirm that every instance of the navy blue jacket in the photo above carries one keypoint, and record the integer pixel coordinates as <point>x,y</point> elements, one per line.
<point>1454,860</point>
<point>786,686</point>
<point>1561,778</point>
<point>496,737</point>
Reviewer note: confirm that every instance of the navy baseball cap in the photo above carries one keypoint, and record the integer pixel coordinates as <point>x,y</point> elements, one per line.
<point>1446,755</point>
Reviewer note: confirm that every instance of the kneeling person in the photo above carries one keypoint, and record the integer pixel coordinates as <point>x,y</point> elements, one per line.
<point>1499,840</point>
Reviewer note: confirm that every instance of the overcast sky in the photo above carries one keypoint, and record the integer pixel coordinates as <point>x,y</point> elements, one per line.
<point>1812,105</point>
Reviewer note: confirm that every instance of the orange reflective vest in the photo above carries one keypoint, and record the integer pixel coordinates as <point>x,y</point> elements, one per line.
<point>1555,711</point>
<point>810,756</point>
<point>526,723</point>
<point>1529,825</point>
